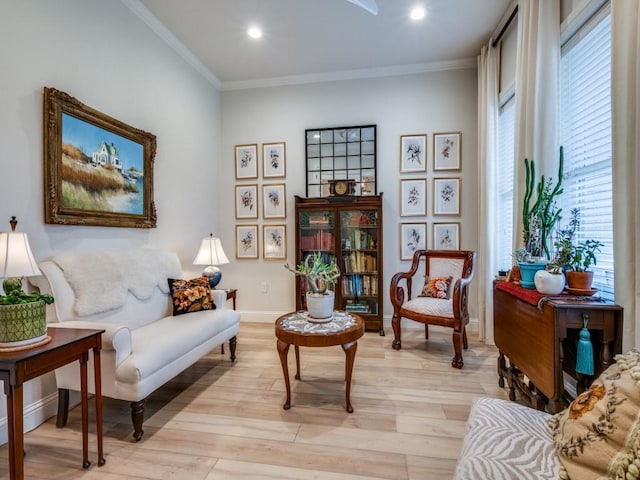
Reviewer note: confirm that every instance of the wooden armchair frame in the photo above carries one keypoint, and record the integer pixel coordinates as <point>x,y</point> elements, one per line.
<point>460,293</point>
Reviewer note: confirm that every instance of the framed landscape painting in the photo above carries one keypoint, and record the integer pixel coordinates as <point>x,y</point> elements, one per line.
<point>98,171</point>
<point>246,162</point>
<point>413,153</point>
<point>246,241</point>
<point>446,236</point>
<point>274,242</point>
<point>246,201</point>
<point>413,236</point>
<point>274,160</point>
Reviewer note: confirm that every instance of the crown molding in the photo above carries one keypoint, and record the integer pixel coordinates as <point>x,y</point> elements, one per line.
<point>393,71</point>
<point>159,29</point>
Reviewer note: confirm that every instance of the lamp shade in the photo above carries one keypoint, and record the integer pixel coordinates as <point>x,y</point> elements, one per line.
<point>16,259</point>
<point>211,252</point>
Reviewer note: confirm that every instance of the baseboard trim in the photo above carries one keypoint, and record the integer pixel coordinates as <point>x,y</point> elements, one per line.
<point>35,414</point>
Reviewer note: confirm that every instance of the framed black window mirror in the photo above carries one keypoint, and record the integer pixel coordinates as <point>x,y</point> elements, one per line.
<point>341,153</point>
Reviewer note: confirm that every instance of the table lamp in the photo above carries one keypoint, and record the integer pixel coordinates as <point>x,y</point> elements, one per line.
<point>211,254</point>
<point>21,324</point>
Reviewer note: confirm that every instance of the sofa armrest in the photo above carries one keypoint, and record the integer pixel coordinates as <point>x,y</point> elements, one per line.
<point>219,298</point>
<point>115,337</point>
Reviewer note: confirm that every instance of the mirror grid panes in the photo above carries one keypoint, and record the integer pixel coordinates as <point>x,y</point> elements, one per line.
<point>341,153</point>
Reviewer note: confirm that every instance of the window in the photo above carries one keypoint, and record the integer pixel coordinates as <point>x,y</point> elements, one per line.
<point>506,153</point>
<point>585,133</point>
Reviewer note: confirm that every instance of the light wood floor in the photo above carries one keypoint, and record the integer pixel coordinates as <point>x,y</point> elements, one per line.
<point>222,420</point>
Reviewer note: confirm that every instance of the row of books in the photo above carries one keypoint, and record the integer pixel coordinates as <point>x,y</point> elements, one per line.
<point>359,240</point>
<point>356,285</point>
<point>356,262</point>
<point>360,306</point>
<point>320,240</point>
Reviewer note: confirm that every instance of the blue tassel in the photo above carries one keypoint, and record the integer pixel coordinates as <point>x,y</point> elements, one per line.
<point>584,358</point>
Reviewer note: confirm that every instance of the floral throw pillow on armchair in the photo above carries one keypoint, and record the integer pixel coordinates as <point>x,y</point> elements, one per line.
<point>598,435</point>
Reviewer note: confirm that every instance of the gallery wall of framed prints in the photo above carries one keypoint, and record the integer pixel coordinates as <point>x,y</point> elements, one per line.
<point>430,187</point>
<point>256,198</point>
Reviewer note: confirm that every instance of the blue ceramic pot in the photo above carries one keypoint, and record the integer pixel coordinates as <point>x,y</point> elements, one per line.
<point>528,273</point>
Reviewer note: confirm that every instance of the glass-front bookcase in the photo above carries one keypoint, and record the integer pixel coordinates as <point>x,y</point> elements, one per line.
<point>348,229</point>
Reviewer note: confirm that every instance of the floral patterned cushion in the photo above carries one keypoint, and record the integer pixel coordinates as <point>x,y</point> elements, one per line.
<point>437,287</point>
<point>190,295</point>
<point>598,435</point>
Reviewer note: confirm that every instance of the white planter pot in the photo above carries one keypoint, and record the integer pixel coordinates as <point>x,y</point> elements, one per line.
<point>320,305</point>
<point>549,283</point>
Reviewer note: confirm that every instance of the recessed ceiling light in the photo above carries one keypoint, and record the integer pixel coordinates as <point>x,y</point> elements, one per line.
<point>417,13</point>
<point>254,32</point>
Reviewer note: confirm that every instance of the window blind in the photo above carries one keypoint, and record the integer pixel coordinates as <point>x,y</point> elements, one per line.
<point>585,133</point>
<point>506,179</point>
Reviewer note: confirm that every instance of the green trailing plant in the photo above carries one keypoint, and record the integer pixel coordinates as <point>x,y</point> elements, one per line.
<point>319,273</point>
<point>539,219</point>
<point>17,296</point>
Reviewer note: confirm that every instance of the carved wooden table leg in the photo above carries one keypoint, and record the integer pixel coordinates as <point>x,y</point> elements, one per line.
<point>283,351</point>
<point>297,349</point>
<point>511,379</point>
<point>502,365</point>
<point>350,352</point>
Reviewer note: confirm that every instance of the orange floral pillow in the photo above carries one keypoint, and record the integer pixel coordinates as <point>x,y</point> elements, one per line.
<point>190,295</point>
<point>437,287</point>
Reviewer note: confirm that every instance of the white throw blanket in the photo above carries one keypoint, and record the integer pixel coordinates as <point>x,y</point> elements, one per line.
<point>101,280</point>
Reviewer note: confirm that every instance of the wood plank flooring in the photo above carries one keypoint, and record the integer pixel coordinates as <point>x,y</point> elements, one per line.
<point>224,421</point>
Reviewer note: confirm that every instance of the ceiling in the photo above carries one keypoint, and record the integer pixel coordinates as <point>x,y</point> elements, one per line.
<point>308,38</point>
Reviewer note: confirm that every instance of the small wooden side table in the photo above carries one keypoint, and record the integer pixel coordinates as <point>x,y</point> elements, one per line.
<point>347,338</point>
<point>66,346</point>
<point>231,295</point>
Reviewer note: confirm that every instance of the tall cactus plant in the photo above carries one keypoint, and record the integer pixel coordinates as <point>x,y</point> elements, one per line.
<point>539,219</point>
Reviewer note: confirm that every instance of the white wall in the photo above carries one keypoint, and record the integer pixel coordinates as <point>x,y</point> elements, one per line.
<point>424,103</point>
<point>103,55</point>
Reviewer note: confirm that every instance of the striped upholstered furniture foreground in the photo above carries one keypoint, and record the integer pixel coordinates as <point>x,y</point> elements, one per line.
<point>506,441</point>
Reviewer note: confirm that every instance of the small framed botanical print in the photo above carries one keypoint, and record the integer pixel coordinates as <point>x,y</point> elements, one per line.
<point>446,196</point>
<point>413,236</point>
<point>446,236</point>
<point>246,241</point>
<point>447,150</point>
<point>274,242</point>
<point>413,153</point>
<point>246,201</point>
<point>413,197</point>
<point>274,201</point>
<point>246,161</point>
<point>274,160</point>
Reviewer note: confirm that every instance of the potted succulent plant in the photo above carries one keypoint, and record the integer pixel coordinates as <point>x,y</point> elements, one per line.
<point>320,275</point>
<point>579,258</point>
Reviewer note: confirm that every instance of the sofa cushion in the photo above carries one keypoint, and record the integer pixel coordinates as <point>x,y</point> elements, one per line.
<point>436,287</point>
<point>598,435</point>
<point>504,441</point>
<point>190,295</point>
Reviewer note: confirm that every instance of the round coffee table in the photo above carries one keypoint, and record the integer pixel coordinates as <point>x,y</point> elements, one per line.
<point>295,329</point>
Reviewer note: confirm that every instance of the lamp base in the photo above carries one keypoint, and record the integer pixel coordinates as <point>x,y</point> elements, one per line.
<point>214,275</point>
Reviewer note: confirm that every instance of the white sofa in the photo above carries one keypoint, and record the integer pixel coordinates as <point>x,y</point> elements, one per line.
<point>126,294</point>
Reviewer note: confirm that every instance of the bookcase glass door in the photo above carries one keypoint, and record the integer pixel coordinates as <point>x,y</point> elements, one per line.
<point>359,252</point>
<point>317,231</point>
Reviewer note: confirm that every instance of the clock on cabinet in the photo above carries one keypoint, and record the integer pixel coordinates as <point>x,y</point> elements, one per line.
<point>342,188</point>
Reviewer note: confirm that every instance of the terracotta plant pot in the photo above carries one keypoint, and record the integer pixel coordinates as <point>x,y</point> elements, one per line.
<point>579,280</point>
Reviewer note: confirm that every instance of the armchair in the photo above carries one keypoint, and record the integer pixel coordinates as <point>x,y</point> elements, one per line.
<point>448,312</point>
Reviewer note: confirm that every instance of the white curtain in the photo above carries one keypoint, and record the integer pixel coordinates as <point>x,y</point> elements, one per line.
<point>625,99</point>
<point>537,67</point>
<point>488,105</point>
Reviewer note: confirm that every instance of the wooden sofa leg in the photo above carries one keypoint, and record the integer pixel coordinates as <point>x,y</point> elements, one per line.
<point>397,331</point>
<point>63,407</point>
<point>465,343</point>
<point>137,417</point>
<point>232,348</point>
<point>426,331</point>
<point>457,347</point>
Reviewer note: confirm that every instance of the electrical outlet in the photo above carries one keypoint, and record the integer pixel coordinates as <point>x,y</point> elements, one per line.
<point>263,287</point>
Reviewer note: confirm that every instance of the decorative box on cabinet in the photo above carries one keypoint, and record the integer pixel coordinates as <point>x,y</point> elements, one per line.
<point>539,343</point>
<point>348,229</point>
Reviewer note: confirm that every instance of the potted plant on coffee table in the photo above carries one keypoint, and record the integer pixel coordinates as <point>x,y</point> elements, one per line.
<point>320,275</point>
